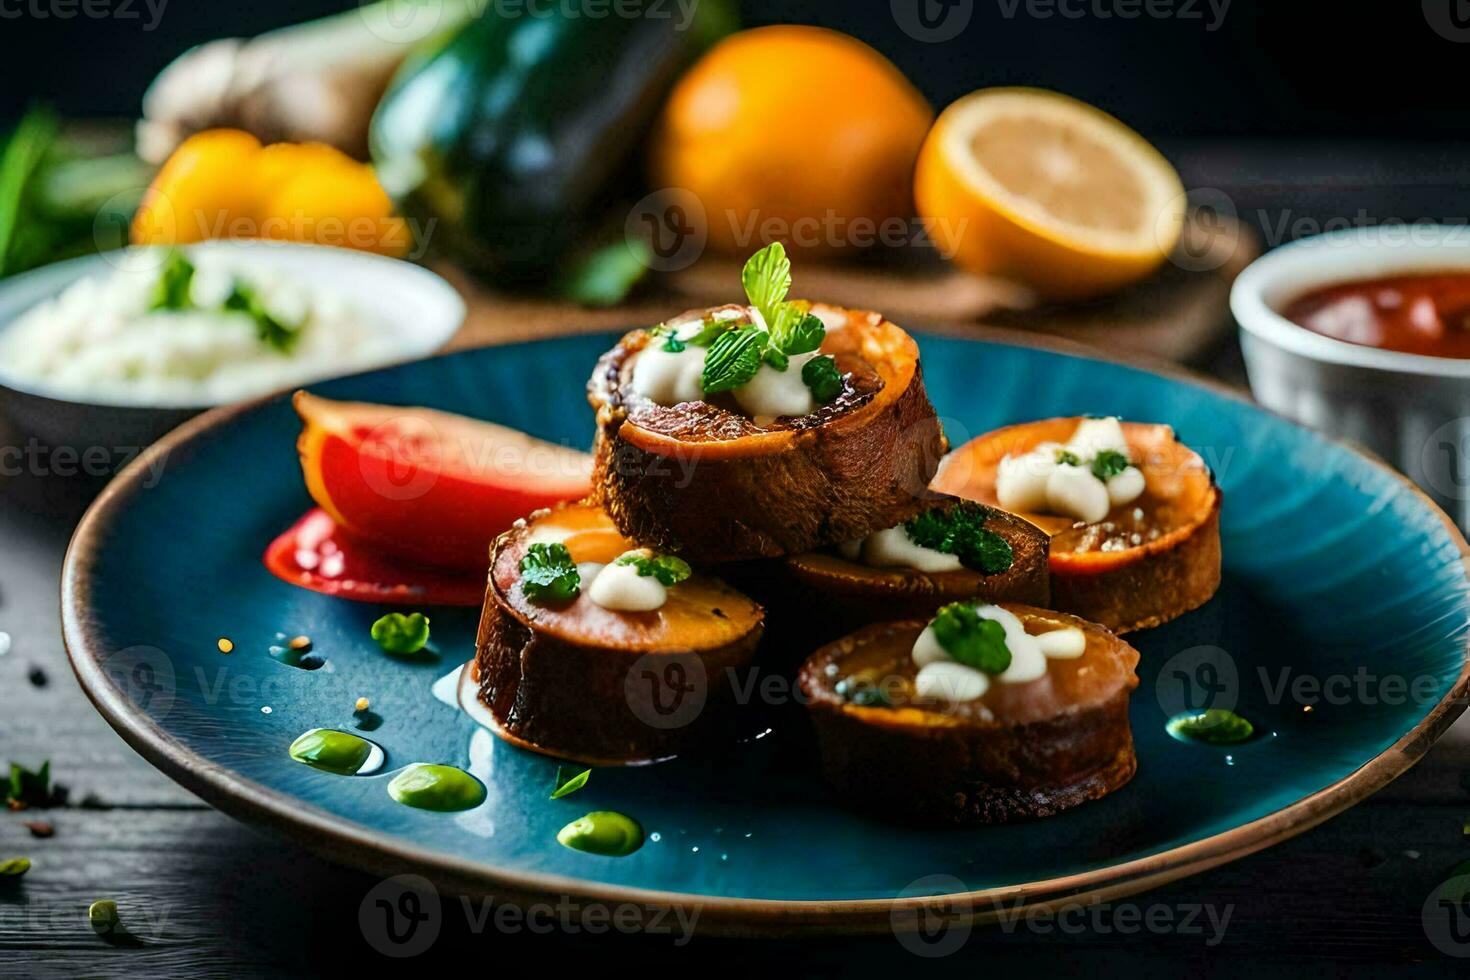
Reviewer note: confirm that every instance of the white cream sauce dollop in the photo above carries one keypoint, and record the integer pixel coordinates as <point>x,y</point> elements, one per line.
<point>620,588</point>
<point>1039,482</point>
<point>672,377</point>
<point>893,548</point>
<point>941,677</point>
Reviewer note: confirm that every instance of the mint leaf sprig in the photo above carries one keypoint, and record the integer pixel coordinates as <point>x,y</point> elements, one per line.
<point>735,356</point>
<point>961,531</point>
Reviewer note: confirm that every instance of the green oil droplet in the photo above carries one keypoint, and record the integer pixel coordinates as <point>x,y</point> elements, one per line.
<point>331,751</point>
<point>1215,726</point>
<point>602,832</point>
<point>434,787</point>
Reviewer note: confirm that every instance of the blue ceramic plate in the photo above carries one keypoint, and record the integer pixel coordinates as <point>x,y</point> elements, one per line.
<point>1338,574</point>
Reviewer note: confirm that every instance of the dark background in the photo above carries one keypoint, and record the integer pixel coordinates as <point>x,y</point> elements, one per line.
<point>1360,69</point>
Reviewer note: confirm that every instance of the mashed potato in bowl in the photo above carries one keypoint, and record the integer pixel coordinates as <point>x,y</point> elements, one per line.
<point>192,328</point>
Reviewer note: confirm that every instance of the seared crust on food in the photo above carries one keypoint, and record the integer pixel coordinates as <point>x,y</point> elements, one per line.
<point>604,688</point>
<point>816,597</point>
<point>927,765</point>
<point>1128,588</point>
<point>714,491</point>
<point>1160,584</point>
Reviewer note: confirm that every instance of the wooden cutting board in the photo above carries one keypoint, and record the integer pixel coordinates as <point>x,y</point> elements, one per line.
<point>1180,314</point>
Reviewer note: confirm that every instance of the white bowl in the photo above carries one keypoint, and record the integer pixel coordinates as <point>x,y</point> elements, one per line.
<point>1410,409</point>
<point>417,308</point>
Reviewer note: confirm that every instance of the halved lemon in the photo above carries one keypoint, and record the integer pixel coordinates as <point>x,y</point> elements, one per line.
<point>1040,188</point>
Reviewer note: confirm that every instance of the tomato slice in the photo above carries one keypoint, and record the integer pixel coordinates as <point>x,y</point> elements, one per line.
<point>319,554</point>
<point>429,486</point>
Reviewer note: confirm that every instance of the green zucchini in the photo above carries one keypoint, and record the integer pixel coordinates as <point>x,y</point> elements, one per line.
<point>514,136</point>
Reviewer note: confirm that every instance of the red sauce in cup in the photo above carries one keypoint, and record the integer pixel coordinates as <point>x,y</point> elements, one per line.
<point>1417,314</point>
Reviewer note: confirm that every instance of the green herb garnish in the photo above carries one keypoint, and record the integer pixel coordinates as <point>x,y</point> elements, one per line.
<point>735,355</point>
<point>961,531</point>
<point>566,787</point>
<point>1215,726</point>
<point>820,374</point>
<point>1108,463</point>
<point>548,574</point>
<point>861,693</point>
<point>971,640</point>
<point>797,331</point>
<point>14,867</point>
<point>401,635</point>
<point>1065,457</point>
<point>733,359</point>
<point>668,569</point>
<point>767,279</point>
<point>272,331</point>
<point>604,276</point>
<point>673,344</point>
<point>171,291</point>
<point>29,788</point>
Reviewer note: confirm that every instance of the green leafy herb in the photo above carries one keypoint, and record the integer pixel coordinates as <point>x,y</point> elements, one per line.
<point>548,574</point>
<point>402,635</point>
<point>1215,726</point>
<point>14,867</point>
<point>273,332</point>
<point>971,640</point>
<point>733,359</point>
<point>1065,457</point>
<point>604,276</point>
<point>29,788</point>
<point>776,359</point>
<point>673,344</point>
<point>961,531</point>
<point>855,690</point>
<point>668,569</point>
<point>59,198</point>
<point>795,331</point>
<point>171,291</point>
<point>767,280</point>
<point>820,374</point>
<point>566,787</point>
<point>1108,463</point>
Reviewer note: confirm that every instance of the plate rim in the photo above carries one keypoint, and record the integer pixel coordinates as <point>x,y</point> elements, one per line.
<point>346,842</point>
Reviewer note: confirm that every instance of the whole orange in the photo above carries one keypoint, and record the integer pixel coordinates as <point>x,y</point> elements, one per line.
<point>797,134</point>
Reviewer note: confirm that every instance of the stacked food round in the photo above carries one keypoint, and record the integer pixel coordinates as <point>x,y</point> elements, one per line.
<point>762,497</point>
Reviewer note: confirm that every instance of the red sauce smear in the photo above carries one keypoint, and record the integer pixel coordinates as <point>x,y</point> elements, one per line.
<point>1417,314</point>
<point>317,554</point>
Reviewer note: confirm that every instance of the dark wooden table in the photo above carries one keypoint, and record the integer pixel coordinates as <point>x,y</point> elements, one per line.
<point>210,897</point>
